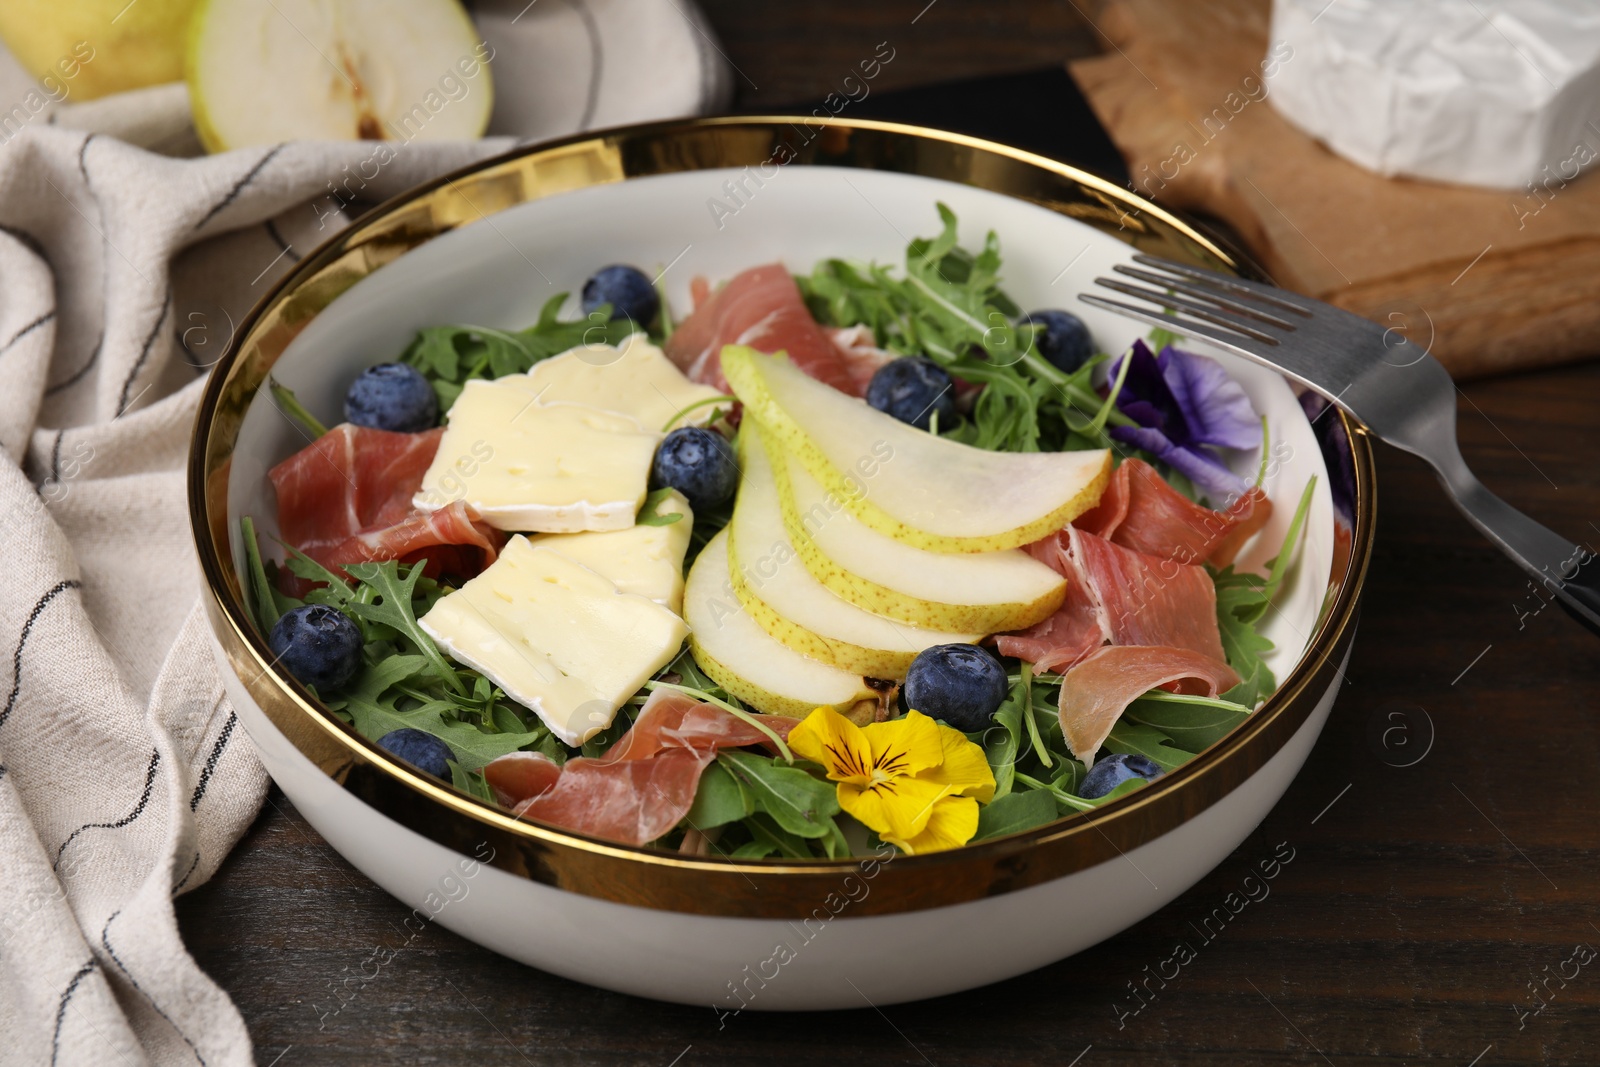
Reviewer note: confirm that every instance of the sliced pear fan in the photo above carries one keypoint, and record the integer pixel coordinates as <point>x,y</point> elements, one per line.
<point>784,599</point>
<point>984,592</point>
<point>751,664</point>
<point>923,490</point>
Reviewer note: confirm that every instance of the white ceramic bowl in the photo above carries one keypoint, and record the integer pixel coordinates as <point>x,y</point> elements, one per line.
<point>771,934</point>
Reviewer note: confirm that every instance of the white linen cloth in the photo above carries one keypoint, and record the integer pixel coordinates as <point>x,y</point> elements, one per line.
<point>124,775</point>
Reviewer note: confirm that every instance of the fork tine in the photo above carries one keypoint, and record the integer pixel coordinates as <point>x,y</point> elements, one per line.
<point>1254,290</point>
<point>1180,323</point>
<point>1199,309</point>
<point>1206,293</point>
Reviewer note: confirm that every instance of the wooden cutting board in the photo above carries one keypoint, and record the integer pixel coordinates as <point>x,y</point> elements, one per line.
<point>1495,280</point>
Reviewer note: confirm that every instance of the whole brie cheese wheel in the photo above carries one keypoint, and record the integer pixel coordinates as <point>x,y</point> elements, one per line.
<point>1499,93</point>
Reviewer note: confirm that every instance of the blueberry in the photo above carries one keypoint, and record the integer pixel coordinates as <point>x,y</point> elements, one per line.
<point>392,396</point>
<point>422,750</point>
<point>912,389</point>
<point>1112,771</point>
<point>626,289</point>
<point>697,463</point>
<point>319,645</point>
<point>1062,338</point>
<point>962,684</point>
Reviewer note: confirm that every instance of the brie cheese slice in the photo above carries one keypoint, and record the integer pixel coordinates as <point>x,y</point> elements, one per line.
<point>527,465</point>
<point>558,637</point>
<point>644,559</point>
<point>635,378</point>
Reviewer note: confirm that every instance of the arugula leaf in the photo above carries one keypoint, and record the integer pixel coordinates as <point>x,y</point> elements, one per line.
<point>333,589</point>
<point>449,356</point>
<point>263,599</point>
<point>719,800</point>
<point>649,510</point>
<point>392,607</point>
<point>1145,740</point>
<point>1252,690</point>
<point>758,849</point>
<point>948,305</point>
<point>773,838</point>
<point>290,405</point>
<point>1191,723</point>
<point>373,713</point>
<point>1243,600</point>
<point>796,801</point>
<point>1015,812</point>
<point>470,783</point>
<point>1002,740</point>
<point>1160,338</point>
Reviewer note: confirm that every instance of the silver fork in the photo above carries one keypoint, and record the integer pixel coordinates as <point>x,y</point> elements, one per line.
<point>1401,393</point>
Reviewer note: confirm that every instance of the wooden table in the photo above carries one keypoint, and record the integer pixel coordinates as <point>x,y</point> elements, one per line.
<point>1421,902</point>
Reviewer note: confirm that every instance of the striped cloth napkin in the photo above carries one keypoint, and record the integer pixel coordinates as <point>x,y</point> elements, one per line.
<point>124,775</point>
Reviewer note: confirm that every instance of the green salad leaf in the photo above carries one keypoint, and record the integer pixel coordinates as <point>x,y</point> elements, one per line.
<point>376,705</point>
<point>1015,812</point>
<point>391,605</point>
<point>1191,723</point>
<point>719,800</point>
<point>449,356</point>
<point>796,800</point>
<point>946,303</point>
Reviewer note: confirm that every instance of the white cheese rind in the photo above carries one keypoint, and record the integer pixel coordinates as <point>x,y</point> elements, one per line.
<point>635,378</point>
<point>556,636</point>
<point>646,560</point>
<point>531,466</point>
<point>1497,93</point>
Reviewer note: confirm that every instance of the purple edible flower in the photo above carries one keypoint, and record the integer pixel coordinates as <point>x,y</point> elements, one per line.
<point>1182,403</point>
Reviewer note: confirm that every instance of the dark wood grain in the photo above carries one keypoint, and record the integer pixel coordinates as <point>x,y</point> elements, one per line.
<point>800,52</point>
<point>1420,902</point>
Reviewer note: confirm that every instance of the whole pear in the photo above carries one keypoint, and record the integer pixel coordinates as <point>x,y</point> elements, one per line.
<point>88,48</point>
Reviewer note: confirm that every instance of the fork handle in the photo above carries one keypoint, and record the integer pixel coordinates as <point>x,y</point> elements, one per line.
<point>1566,569</point>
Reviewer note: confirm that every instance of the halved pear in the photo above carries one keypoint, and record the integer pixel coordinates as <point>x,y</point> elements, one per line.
<point>749,663</point>
<point>986,592</point>
<point>266,71</point>
<point>906,483</point>
<point>784,599</point>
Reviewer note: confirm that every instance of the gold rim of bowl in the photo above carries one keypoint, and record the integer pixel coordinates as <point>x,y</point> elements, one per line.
<point>654,878</point>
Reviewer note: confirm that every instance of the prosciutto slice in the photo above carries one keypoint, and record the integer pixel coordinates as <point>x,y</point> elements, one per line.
<point>644,784</point>
<point>346,498</point>
<point>1120,596</point>
<point>861,354</point>
<point>1139,510</point>
<point>760,307</point>
<point>1095,693</point>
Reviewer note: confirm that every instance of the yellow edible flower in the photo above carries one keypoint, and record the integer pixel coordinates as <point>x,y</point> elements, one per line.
<point>914,781</point>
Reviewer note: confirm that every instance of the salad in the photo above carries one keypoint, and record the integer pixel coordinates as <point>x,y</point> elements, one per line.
<point>855,557</point>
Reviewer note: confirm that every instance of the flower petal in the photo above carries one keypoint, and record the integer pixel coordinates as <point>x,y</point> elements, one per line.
<point>1214,406</point>
<point>904,746</point>
<point>834,741</point>
<point>898,808</point>
<point>953,822</point>
<point>1219,484</point>
<point>965,769</point>
<point>1146,397</point>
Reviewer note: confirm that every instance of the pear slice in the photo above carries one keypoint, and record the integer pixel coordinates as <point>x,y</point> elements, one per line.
<point>749,663</point>
<point>904,482</point>
<point>783,598</point>
<point>986,592</point>
<point>267,71</point>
